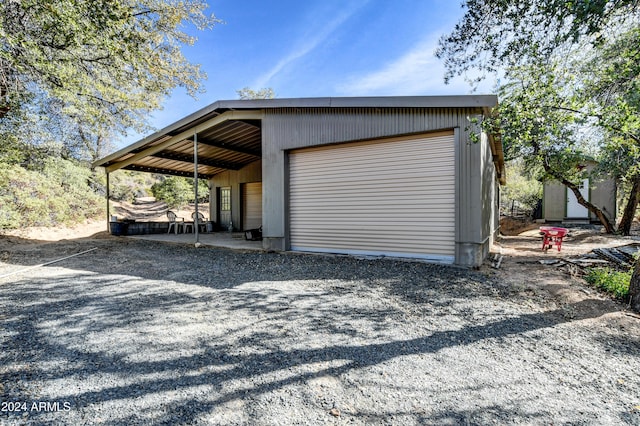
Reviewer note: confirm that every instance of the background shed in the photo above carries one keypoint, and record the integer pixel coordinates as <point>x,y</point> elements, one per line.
<point>559,204</point>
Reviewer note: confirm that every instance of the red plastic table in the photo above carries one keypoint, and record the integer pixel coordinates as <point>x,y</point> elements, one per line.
<point>552,236</point>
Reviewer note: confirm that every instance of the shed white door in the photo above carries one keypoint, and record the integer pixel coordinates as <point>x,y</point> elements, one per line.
<point>252,205</point>
<point>576,210</point>
<point>393,197</point>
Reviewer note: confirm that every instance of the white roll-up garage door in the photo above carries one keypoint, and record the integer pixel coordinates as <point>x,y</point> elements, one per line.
<point>393,197</point>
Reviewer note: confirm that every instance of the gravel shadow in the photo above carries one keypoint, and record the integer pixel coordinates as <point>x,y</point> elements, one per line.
<point>140,332</point>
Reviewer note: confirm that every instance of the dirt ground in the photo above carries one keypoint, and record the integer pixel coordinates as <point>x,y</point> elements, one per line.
<point>145,208</point>
<point>128,338</point>
<point>521,266</point>
<point>521,254</point>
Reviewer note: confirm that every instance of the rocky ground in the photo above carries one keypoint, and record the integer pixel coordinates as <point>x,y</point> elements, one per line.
<point>139,332</point>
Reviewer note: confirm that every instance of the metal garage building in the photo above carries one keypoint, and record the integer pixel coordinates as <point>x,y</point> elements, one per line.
<point>393,176</point>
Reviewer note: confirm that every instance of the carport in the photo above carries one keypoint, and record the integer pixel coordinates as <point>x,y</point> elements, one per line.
<point>201,145</point>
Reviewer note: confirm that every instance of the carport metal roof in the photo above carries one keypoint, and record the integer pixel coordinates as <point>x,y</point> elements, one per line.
<point>229,134</point>
<point>227,140</point>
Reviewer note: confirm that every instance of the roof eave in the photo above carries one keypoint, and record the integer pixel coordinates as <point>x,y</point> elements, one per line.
<point>458,101</point>
<point>218,107</point>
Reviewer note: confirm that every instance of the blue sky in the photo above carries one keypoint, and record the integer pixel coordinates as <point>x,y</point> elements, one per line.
<point>316,48</point>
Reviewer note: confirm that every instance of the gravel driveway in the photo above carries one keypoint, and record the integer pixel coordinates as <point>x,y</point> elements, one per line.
<point>138,332</point>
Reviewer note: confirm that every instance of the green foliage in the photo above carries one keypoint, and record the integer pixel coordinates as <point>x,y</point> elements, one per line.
<point>248,93</point>
<point>126,185</point>
<point>571,74</point>
<point>612,91</point>
<point>57,193</point>
<point>72,74</point>
<point>570,91</point>
<point>498,34</point>
<point>95,67</point>
<point>540,122</point>
<point>566,64</point>
<point>177,191</point>
<point>521,188</point>
<point>614,282</point>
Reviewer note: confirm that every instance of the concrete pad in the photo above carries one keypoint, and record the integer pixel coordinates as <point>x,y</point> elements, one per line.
<point>214,239</point>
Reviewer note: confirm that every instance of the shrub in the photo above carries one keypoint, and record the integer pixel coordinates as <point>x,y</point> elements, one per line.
<point>58,193</point>
<point>178,191</point>
<point>521,189</point>
<point>175,191</point>
<point>124,185</point>
<point>614,282</point>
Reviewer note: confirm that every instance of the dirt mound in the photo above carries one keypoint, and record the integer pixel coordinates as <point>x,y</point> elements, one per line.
<point>147,209</point>
<point>143,209</point>
<point>511,226</point>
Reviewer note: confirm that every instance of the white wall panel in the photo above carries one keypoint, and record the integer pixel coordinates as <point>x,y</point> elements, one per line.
<point>252,205</point>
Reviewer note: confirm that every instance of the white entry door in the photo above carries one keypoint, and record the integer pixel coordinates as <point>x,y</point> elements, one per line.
<point>575,210</point>
<point>252,205</point>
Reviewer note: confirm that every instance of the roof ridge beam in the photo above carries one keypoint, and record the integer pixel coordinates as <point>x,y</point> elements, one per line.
<point>229,147</point>
<point>227,116</point>
<point>186,158</point>
<point>161,171</point>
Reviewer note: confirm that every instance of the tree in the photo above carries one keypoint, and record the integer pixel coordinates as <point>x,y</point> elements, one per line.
<point>494,35</point>
<point>522,187</point>
<point>248,93</point>
<point>634,288</point>
<point>176,191</point>
<point>555,35</point>
<point>559,37</point>
<point>537,122</point>
<point>102,65</point>
<point>612,88</point>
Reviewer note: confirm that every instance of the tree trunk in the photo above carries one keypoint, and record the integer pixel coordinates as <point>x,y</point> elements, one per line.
<point>4,109</point>
<point>630,208</point>
<point>604,220</point>
<point>634,289</point>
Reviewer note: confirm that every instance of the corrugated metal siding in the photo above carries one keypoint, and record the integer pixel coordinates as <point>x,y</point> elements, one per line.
<point>394,197</point>
<point>252,205</point>
<point>291,128</point>
<point>489,178</point>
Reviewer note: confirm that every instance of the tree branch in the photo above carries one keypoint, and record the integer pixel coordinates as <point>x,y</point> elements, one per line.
<point>600,117</point>
<point>608,226</point>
